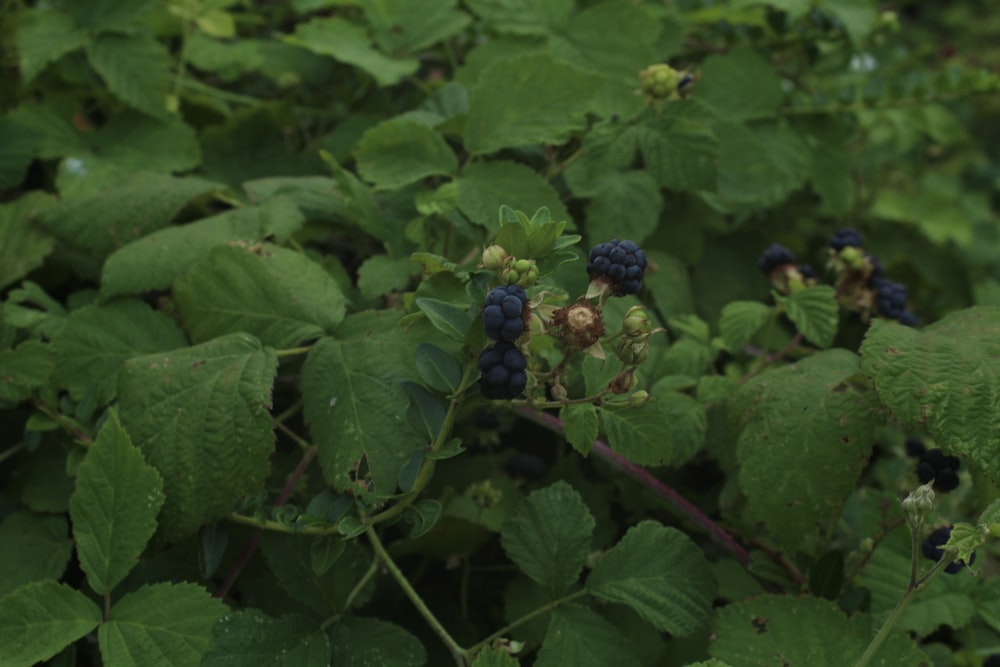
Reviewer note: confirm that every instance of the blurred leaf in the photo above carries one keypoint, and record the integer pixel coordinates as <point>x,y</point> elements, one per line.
<point>135,68</point>
<point>814,310</point>
<point>351,44</point>
<point>44,36</point>
<point>396,153</point>
<point>485,186</point>
<point>23,246</point>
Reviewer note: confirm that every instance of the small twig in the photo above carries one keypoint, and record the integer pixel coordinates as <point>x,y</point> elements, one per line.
<point>68,424</point>
<point>11,451</point>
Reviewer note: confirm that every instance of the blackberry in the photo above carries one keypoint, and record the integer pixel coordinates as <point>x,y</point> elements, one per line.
<point>908,319</point>
<point>621,264</point>
<point>890,297</point>
<point>502,367</point>
<point>806,271</point>
<point>848,236</point>
<point>915,447</point>
<point>527,466</point>
<point>505,312</point>
<point>931,549</point>
<point>992,660</point>
<point>773,257</point>
<point>943,470</point>
<point>878,271</point>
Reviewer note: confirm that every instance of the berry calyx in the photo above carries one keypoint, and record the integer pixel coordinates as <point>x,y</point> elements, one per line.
<point>617,266</point>
<point>931,549</point>
<point>846,237</point>
<point>503,371</point>
<point>505,312</point>
<point>578,325</point>
<point>776,255</point>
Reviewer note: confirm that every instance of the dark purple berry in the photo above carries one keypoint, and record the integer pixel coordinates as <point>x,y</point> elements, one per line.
<point>528,466</point>
<point>773,257</point>
<point>504,312</point>
<point>946,480</point>
<point>890,298</point>
<point>503,371</point>
<point>621,264</point>
<point>942,469</point>
<point>806,271</point>
<point>992,660</point>
<point>925,472</point>
<point>931,549</point>
<point>908,319</point>
<point>843,238</point>
<point>915,446</point>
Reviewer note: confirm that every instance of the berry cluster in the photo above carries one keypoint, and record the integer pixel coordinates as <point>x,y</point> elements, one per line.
<point>943,470</point>
<point>503,371</point>
<point>846,238</point>
<point>776,255</point>
<point>619,264</point>
<point>778,263</point>
<point>932,549</point>
<point>505,312</point>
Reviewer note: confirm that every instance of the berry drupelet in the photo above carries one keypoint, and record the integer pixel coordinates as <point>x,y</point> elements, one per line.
<point>931,549</point>
<point>847,237</point>
<point>620,264</point>
<point>504,312</point>
<point>890,297</point>
<point>775,256</point>
<point>943,470</point>
<point>503,371</point>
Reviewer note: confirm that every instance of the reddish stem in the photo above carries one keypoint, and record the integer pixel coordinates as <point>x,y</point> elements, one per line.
<point>251,547</point>
<point>647,479</point>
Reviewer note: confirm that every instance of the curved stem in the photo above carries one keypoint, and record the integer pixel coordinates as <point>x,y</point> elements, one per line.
<point>11,451</point>
<point>68,424</point>
<point>292,351</point>
<point>644,477</point>
<point>544,609</point>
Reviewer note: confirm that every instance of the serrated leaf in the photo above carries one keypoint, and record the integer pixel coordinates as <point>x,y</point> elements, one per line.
<point>200,415</point>
<point>527,100</point>
<point>97,223</point>
<point>290,558</point>
<point>23,247</point>
<point>135,68</point>
<point>398,152</point>
<point>40,619</point>
<point>943,378</point>
<point>354,400</point>
<point>359,642</point>
<point>438,369</point>
<point>580,425</point>
<point>580,637</point>
<point>24,369</point>
<point>380,274</point>
<point>679,151</point>
<point>523,17</point>
<point>739,85</point>
<point>739,321</point>
<point>659,573</point>
<point>20,144</point>
<point>668,429</point>
<point>278,295</point>
<point>483,187</point>
<point>775,630</point>
<point>805,433</point>
<point>349,43</point>
<point>814,312</point>
<point>760,165</point>
<point>422,25</point>
<point>446,317</point>
<point>44,36</point>
<point>114,507</point>
<point>549,536</point>
<point>156,260</point>
<point>97,340</point>
<point>32,548</point>
<point>250,637</point>
<point>625,205</point>
<point>160,625</point>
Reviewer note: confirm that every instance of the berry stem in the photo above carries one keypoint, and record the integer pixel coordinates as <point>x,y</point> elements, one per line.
<point>645,478</point>
<point>544,609</point>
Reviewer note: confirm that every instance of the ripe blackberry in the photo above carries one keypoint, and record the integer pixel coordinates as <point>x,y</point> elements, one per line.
<point>621,264</point>
<point>502,367</point>
<point>992,660</point>
<point>890,297</point>
<point>943,470</point>
<point>773,257</point>
<point>878,271</point>
<point>908,319</point>
<point>527,466</point>
<point>505,312</point>
<point>915,447</point>
<point>931,549</point>
<point>848,236</point>
<point>806,271</point>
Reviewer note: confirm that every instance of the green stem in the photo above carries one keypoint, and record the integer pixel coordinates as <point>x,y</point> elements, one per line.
<point>303,445</point>
<point>292,351</point>
<point>291,411</point>
<point>7,453</point>
<point>456,650</point>
<point>68,424</point>
<point>544,609</point>
<point>275,527</point>
<point>365,578</point>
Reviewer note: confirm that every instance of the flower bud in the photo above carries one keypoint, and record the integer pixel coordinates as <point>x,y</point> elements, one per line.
<point>633,352</point>
<point>639,399</point>
<point>636,323</point>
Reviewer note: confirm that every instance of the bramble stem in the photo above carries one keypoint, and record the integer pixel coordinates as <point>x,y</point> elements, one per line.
<point>11,451</point>
<point>544,609</point>
<point>457,651</point>
<point>292,351</point>
<point>647,479</point>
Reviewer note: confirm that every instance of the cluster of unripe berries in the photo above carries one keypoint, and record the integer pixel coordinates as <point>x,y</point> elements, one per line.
<point>615,268</point>
<point>934,465</point>
<point>862,281</point>
<point>661,81</point>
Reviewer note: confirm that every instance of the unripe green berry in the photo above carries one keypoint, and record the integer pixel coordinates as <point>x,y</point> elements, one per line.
<point>633,352</point>
<point>636,323</point>
<point>522,265</point>
<point>659,81</point>
<point>494,258</point>
<point>639,399</point>
<point>853,257</point>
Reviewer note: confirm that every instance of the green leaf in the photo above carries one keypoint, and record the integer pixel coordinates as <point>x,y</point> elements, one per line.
<point>424,24</point>
<point>814,311</point>
<point>360,642</point>
<point>659,573</point>
<point>20,144</point>
<point>791,417</point>
<point>446,317</point>
<point>160,625</point>
<point>32,548</point>
<point>740,320</point>
<point>438,369</point>
<point>156,260</point>
<point>135,68</point>
<point>781,629</point>
<point>379,275</point>
<point>24,369</point>
<point>351,44</point>
<point>580,425</point>
<point>23,247</point>
<point>943,378</point>
<point>249,637</point>
<point>114,507</point>
<point>494,657</point>
<point>354,402</point>
<point>398,152</point>
<point>679,151</point>
<point>44,36</point>
<point>290,558</point>
<point>739,85</point>
<point>549,536</point>
<point>97,223</point>
<point>521,17</point>
<point>638,434</point>
<point>760,165</point>
<point>483,187</point>
<point>278,295</point>
<point>527,100</point>
<point>625,205</point>
<point>200,415</point>
<point>97,340</point>
<point>40,619</point>
<point>580,637</point>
